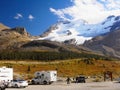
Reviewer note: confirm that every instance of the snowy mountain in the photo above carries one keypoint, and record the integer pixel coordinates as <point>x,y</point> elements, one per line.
<point>79,31</point>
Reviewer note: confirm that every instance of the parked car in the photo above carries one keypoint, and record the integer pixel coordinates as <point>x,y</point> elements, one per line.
<point>80,79</point>
<point>18,83</point>
<point>2,86</point>
<point>118,80</point>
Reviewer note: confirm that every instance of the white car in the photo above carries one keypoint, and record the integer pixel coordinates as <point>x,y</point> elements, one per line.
<point>18,83</point>
<point>2,86</point>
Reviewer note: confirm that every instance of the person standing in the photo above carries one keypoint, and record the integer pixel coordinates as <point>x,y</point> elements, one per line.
<point>68,80</point>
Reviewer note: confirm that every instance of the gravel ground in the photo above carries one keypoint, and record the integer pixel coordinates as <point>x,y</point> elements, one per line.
<point>73,86</point>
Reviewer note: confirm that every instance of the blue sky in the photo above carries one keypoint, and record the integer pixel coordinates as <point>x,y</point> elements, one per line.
<point>34,15</point>
<point>38,15</point>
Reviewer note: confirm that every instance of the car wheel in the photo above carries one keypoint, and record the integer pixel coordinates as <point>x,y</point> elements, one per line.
<point>16,86</point>
<point>50,82</point>
<point>33,82</point>
<point>45,82</point>
<point>24,87</point>
<point>2,88</point>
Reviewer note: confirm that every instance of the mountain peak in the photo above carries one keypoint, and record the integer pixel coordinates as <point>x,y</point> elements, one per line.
<point>21,30</point>
<point>80,30</point>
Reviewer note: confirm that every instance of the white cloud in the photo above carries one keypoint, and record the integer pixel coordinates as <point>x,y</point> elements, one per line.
<point>112,4</point>
<point>92,11</point>
<point>30,17</point>
<point>18,16</point>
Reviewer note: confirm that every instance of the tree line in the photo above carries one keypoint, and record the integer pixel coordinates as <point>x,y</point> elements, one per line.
<point>45,56</point>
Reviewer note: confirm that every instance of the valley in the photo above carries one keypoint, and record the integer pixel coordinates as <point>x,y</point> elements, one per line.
<point>71,48</point>
<point>80,39</point>
<point>72,68</point>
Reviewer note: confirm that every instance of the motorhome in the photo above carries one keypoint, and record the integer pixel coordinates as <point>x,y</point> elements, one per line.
<point>44,77</point>
<point>6,74</point>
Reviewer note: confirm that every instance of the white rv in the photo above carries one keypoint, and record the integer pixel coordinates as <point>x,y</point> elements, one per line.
<point>44,77</point>
<point>6,74</point>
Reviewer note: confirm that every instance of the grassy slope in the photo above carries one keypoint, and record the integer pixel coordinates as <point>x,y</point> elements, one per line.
<point>64,68</point>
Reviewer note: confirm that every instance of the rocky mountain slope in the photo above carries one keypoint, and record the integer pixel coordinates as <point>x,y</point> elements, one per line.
<point>17,44</point>
<point>108,44</point>
<point>12,38</point>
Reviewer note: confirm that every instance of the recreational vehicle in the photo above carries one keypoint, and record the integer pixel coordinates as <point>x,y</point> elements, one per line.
<point>6,74</point>
<point>44,77</point>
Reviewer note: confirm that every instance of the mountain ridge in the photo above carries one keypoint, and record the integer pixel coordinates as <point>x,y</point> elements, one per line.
<point>18,44</point>
<point>80,30</point>
<point>108,44</point>
<point>102,43</point>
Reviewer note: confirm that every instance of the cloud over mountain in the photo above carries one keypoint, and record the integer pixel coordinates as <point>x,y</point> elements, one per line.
<point>92,11</point>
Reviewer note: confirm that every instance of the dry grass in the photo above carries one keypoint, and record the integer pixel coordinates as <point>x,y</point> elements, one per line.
<point>64,68</point>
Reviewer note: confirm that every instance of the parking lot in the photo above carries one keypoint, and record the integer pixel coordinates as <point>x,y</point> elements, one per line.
<point>73,86</point>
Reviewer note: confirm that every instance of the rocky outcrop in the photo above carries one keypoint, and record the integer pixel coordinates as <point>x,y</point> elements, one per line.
<point>12,38</point>
<point>21,30</point>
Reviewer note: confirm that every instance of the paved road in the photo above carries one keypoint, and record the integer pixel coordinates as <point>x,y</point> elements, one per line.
<point>73,86</point>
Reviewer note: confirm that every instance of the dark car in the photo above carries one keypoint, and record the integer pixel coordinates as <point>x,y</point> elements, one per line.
<point>80,79</point>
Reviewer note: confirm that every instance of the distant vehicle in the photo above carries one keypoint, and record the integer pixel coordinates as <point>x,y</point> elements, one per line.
<point>18,83</point>
<point>6,74</point>
<point>80,79</point>
<point>44,77</point>
<point>118,80</point>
